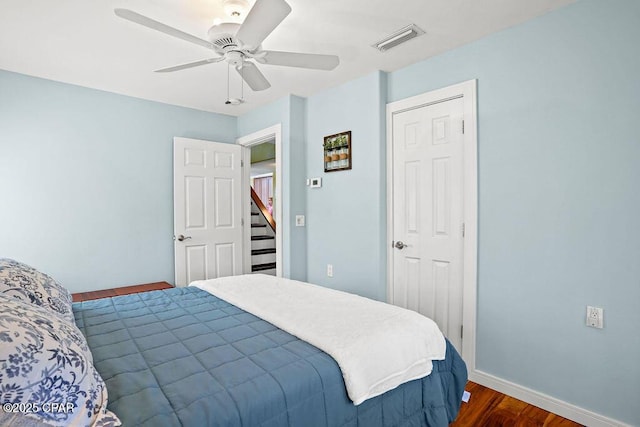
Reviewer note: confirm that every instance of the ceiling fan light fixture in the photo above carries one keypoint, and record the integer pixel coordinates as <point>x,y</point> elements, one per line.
<point>402,35</point>
<point>236,9</point>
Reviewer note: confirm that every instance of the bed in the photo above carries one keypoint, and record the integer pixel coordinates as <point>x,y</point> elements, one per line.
<point>185,357</point>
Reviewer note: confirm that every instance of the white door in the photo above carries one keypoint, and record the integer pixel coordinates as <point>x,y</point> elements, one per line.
<point>207,180</point>
<point>427,213</point>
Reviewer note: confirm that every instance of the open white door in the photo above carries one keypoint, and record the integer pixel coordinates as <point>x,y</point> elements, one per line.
<point>207,191</point>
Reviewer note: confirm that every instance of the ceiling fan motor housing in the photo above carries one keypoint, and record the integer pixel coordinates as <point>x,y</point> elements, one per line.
<point>223,36</point>
<point>234,58</point>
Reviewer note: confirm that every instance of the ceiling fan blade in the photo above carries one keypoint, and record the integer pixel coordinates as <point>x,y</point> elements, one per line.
<point>132,16</point>
<point>252,75</point>
<point>301,60</point>
<point>263,18</point>
<point>189,65</point>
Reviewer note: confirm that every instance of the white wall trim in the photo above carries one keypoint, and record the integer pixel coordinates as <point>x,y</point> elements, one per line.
<point>264,135</point>
<point>541,400</point>
<point>468,91</point>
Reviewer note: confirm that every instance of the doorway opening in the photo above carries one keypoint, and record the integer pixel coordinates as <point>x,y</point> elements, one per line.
<point>262,181</point>
<point>263,226</point>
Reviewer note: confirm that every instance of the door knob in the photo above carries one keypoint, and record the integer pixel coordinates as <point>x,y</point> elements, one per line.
<point>400,245</point>
<point>181,238</point>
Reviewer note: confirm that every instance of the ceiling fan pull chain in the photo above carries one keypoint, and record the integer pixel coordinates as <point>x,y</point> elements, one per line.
<point>228,65</point>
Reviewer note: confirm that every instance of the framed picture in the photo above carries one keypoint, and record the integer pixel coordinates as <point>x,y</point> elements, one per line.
<point>337,152</point>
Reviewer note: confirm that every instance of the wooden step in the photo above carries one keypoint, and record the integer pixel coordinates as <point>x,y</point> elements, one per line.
<point>258,225</point>
<point>263,244</point>
<point>255,213</point>
<point>263,251</point>
<point>262,237</point>
<point>260,267</point>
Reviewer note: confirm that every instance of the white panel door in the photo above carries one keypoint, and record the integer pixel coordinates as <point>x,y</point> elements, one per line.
<point>427,213</point>
<point>207,179</point>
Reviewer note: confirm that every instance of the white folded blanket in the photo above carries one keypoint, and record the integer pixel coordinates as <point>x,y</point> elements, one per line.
<point>378,346</point>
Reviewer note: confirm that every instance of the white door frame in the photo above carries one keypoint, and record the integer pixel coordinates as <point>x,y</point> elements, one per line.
<point>273,132</point>
<point>467,90</point>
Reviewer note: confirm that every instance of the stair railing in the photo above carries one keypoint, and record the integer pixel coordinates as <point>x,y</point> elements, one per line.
<point>263,209</point>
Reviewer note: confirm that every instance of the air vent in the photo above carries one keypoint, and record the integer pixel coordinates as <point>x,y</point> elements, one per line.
<point>399,37</point>
<point>224,42</point>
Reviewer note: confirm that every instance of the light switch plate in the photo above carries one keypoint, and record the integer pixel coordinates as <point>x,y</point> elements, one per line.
<point>299,220</point>
<point>316,182</point>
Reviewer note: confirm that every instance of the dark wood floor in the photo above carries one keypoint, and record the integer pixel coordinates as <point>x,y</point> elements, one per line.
<point>486,407</point>
<point>126,290</point>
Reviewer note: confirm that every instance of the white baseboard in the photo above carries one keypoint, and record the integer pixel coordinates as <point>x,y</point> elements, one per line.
<point>548,403</point>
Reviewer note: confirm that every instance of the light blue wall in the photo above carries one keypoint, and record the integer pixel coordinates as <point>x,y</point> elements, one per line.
<point>289,112</point>
<point>559,169</point>
<point>296,170</point>
<point>86,178</point>
<point>346,217</point>
<point>559,152</point>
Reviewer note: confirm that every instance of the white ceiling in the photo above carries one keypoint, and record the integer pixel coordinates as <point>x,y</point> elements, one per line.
<point>82,42</point>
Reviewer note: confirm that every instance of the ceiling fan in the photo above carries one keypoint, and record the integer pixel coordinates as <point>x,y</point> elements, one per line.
<point>239,43</point>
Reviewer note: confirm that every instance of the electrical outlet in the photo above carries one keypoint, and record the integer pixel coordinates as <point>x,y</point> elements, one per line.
<point>595,317</point>
<point>329,270</point>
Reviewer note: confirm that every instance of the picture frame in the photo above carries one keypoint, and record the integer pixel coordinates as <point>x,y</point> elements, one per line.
<point>337,152</point>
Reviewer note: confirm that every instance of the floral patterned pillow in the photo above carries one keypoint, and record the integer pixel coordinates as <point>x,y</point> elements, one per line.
<point>23,282</point>
<point>46,370</point>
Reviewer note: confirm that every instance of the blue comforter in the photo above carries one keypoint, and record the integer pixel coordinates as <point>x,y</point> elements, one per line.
<point>183,357</point>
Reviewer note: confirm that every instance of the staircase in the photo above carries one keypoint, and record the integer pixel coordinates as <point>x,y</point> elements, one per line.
<point>263,243</point>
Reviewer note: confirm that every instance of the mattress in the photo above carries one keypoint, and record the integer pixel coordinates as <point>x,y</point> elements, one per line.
<point>183,357</point>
